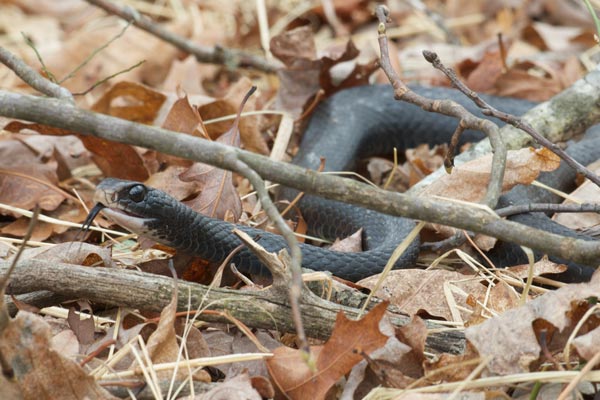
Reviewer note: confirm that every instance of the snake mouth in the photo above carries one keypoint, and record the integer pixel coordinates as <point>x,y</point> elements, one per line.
<point>127,220</point>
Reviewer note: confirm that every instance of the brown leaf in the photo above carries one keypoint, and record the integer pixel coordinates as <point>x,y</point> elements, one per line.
<point>414,334</point>
<point>40,372</point>
<point>304,74</point>
<point>71,253</point>
<point>415,290</point>
<point>19,228</point>
<point>543,266</point>
<point>218,196</point>
<point>133,102</point>
<point>26,180</point>
<point>469,181</point>
<point>298,85</point>
<point>250,134</point>
<point>482,76</point>
<point>349,340</point>
<point>519,82</point>
<point>510,339</point>
<point>182,117</point>
<point>82,326</point>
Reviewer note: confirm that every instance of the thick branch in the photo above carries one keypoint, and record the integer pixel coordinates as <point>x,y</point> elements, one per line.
<point>59,114</point>
<point>214,55</point>
<point>258,309</point>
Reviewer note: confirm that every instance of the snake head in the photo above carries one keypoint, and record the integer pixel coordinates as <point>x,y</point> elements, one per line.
<point>132,205</point>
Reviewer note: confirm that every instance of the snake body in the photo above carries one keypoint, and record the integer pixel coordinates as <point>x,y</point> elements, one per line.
<point>352,124</point>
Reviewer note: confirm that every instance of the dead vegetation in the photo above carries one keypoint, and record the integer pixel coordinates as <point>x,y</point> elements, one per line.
<point>100,314</point>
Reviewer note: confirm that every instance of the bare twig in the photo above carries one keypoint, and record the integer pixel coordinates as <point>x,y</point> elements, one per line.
<point>487,109</point>
<point>548,207</point>
<point>55,113</point>
<point>446,107</point>
<point>33,78</point>
<point>214,55</point>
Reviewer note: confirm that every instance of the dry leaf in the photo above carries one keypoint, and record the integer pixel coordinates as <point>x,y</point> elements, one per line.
<point>349,340</point>
<point>183,117</point>
<point>415,291</point>
<point>482,76</point>
<point>468,182</point>
<point>511,340</point>
<point>541,267</point>
<point>72,253</point>
<point>26,180</point>
<point>218,196</point>
<point>40,372</point>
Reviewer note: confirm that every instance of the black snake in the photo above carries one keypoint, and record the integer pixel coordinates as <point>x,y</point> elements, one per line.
<point>352,124</point>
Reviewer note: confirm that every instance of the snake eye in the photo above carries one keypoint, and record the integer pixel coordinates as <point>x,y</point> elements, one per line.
<point>137,193</point>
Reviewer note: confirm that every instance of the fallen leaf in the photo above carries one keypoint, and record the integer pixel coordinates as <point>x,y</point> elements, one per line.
<point>26,180</point>
<point>519,82</point>
<point>468,182</point>
<point>218,196</point>
<point>415,291</point>
<point>511,340</point>
<point>72,253</point>
<point>41,372</point>
<point>349,340</point>
<point>82,326</point>
<point>481,76</point>
<point>541,267</point>
<point>183,117</point>
<point>163,345</point>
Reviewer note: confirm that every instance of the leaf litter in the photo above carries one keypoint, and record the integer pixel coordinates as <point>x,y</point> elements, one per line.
<point>505,336</point>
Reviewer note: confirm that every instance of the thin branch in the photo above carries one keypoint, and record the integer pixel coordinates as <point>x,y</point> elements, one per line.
<point>446,107</point>
<point>33,78</point>
<point>215,55</point>
<point>487,109</point>
<point>58,114</point>
<point>275,217</point>
<point>548,207</point>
